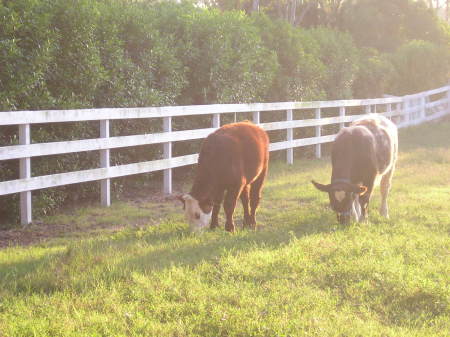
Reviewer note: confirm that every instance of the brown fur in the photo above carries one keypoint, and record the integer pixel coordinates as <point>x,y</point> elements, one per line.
<point>233,163</point>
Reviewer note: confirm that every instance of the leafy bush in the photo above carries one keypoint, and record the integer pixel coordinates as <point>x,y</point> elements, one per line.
<point>419,65</point>
<point>374,74</point>
<point>339,54</point>
<point>386,24</point>
<point>301,73</point>
<point>26,48</point>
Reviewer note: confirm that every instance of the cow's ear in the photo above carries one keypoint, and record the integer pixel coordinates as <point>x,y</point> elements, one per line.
<point>182,198</point>
<point>321,187</point>
<point>360,189</point>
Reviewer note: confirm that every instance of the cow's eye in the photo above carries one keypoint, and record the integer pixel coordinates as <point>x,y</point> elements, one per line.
<point>197,215</point>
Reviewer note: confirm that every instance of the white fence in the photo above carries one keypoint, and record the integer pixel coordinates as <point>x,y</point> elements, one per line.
<point>405,111</point>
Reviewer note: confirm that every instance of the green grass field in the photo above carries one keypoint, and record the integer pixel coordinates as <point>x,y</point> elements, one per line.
<point>301,274</point>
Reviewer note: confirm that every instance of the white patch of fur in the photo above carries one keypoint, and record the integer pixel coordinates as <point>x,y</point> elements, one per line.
<point>196,218</point>
<point>377,181</point>
<point>357,208</point>
<point>339,195</point>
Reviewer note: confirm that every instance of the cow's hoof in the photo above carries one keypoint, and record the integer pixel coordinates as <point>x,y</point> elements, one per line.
<point>230,228</point>
<point>364,220</point>
<point>251,226</point>
<point>384,213</point>
<point>214,226</point>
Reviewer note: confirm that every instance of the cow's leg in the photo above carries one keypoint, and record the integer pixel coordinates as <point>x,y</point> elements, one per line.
<point>255,197</point>
<point>217,201</point>
<point>229,205</point>
<point>364,200</point>
<point>245,204</point>
<point>357,206</point>
<point>354,212</point>
<point>385,186</point>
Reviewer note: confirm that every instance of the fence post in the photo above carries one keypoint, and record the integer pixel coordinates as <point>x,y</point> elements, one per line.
<point>290,138</point>
<point>318,134</point>
<point>405,112</point>
<point>104,163</point>
<point>389,111</point>
<point>256,117</point>
<point>368,109</point>
<point>167,126</point>
<point>25,172</point>
<point>341,114</point>
<point>410,111</point>
<point>423,107</point>
<point>398,113</point>
<point>216,121</point>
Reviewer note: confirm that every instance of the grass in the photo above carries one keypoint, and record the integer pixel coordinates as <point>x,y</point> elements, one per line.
<point>301,274</point>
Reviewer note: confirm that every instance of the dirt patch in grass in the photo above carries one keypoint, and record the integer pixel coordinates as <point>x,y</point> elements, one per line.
<point>136,209</point>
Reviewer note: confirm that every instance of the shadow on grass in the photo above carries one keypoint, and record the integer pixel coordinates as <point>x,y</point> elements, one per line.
<point>168,248</point>
<point>14,276</point>
<point>213,245</point>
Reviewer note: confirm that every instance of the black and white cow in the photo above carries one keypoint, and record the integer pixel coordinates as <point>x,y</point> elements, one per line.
<point>363,155</point>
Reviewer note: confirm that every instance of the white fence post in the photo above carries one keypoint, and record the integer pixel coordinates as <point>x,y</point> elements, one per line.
<point>105,163</point>
<point>25,172</point>
<point>318,134</point>
<point>290,138</point>
<point>368,109</point>
<point>216,121</point>
<point>423,107</point>
<point>341,114</point>
<point>167,125</point>
<point>256,117</point>
<point>389,111</point>
<point>399,111</point>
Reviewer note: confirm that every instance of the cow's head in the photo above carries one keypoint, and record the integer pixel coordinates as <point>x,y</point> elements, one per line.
<point>342,195</point>
<point>197,213</point>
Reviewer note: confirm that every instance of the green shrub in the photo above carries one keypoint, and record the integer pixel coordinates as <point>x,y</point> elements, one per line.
<point>386,24</point>
<point>301,73</point>
<point>26,47</point>
<point>339,54</point>
<point>418,66</point>
<point>374,74</point>
<point>225,59</point>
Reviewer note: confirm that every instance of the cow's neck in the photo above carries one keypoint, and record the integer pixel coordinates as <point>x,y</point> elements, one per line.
<point>203,186</point>
<point>342,162</point>
<point>341,175</point>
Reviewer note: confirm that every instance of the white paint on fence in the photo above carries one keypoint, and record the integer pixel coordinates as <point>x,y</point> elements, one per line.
<point>290,137</point>
<point>409,110</point>
<point>25,173</point>
<point>318,134</point>
<point>167,126</point>
<point>105,162</point>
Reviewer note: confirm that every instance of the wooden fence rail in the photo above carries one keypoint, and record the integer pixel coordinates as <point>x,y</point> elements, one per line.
<point>405,111</point>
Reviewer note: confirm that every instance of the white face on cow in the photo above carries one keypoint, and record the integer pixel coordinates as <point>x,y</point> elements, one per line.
<point>196,218</point>
<point>339,195</point>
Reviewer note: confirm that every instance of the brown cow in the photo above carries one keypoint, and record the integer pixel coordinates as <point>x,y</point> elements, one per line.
<point>362,153</point>
<point>233,162</point>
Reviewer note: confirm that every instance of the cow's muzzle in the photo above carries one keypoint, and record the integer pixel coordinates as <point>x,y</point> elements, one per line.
<point>343,218</point>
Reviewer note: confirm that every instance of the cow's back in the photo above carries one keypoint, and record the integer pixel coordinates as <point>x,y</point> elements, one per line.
<point>380,141</point>
<point>234,151</point>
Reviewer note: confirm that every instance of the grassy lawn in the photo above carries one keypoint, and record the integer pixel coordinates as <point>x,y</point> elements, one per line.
<point>301,274</point>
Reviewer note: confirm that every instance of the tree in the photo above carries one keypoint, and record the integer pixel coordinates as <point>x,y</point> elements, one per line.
<point>386,24</point>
